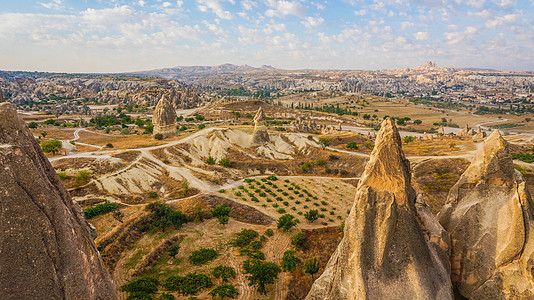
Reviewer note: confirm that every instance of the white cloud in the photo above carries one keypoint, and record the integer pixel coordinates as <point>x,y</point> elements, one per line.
<point>478,4</point>
<point>248,4</point>
<point>54,4</point>
<point>484,14</point>
<point>360,12</point>
<point>458,37</point>
<point>216,7</point>
<point>141,3</point>
<point>166,4</point>
<point>215,29</point>
<point>421,36</point>
<point>500,21</point>
<point>282,8</point>
<point>505,3</point>
<point>310,22</point>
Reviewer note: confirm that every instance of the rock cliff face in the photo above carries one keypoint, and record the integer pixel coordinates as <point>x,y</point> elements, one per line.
<point>489,215</point>
<point>393,247</point>
<point>46,248</point>
<point>260,136</point>
<point>164,117</point>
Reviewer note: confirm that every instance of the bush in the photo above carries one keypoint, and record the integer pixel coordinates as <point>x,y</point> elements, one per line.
<point>368,145</point>
<point>162,216</point>
<point>223,272</point>
<point>147,285</point>
<point>166,296</point>
<point>305,167</point>
<point>244,237</point>
<point>417,122</point>
<point>62,175</point>
<point>224,290</point>
<point>290,261</point>
<point>202,256</point>
<point>311,215</point>
<point>173,250</point>
<point>298,240</point>
<point>408,139</point>
<point>201,126</point>
<point>158,136</point>
<point>221,212</point>
<point>281,211</point>
<point>269,232</point>
<point>225,162</point>
<point>109,145</point>
<point>32,125</point>
<point>82,177</point>
<point>321,162</point>
<point>210,160</point>
<point>189,284</point>
<point>99,209</point>
<point>152,195</point>
<point>272,178</point>
<point>52,146</point>
<point>286,222</point>
<point>352,145</point>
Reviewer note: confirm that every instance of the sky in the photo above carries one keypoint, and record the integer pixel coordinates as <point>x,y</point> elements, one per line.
<point>135,35</point>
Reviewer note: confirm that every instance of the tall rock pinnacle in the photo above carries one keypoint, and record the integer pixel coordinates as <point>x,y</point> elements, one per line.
<point>393,247</point>
<point>260,135</point>
<point>164,117</point>
<point>46,248</point>
<point>489,215</point>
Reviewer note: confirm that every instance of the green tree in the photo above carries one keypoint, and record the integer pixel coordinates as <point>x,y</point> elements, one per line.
<point>352,145</point>
<point>225,162</point>
<point>185,188</point>
<point>261,273</point>
<point>52,146</point>
<point>221,212</point>
<point>290,261</point>
<point>417,122</point>
<point>311,266</point>
<point>324,142</point>
<point>32,125</point>
<point>298,240</point>
<point>223,272</point>
<point>82,177</point>
<point>224,290</point>
<point>286,222</point>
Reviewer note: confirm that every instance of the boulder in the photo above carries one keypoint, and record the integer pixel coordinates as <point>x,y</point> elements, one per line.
<point>46,247</point>
<point>489,216</point>
<point>393,247</point>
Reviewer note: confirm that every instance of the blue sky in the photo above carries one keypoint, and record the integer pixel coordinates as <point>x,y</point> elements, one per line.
<point>132,35</point>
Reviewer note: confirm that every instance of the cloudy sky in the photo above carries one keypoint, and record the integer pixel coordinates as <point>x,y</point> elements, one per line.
<point>133,35</point>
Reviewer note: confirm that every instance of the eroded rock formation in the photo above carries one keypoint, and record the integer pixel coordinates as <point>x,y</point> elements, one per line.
<point>393,247</point>
<point>164,117</point>
<point>489,215</point>
<point>46,248</point>
<point>260,135</point>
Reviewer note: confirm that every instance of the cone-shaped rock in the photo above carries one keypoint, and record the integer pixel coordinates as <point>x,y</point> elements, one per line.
<point>489,216</point>
<point>260,135</point>
<point>164,117</point>
<point>46,248</point>
<point>393,247</point>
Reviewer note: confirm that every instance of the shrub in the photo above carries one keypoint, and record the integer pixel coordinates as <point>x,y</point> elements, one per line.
<point>222,191</point>
<point>62,175</point>
<point>201,126</point>
<point>320,162</point>
<point>152,194</point>
<point>311,266</point>
<point>223,272</point>
<point>146,285</point>
<point>352,145</point>
<point>173,250</point>
<point>408,139</point>
<point>225,162</point>
<point>189,284</point>
<point>272,178</point>
<point>269,232</point>
<point>286,222</point>
<point>256,245</point>
<point>202,256</point>
<point>368,144</point>
<point>82,177</point>
<point>281,211</point>
<point>244,237</point>
<point>290,261</point>
<point>417,122</point>
<point>158,136</point>
<point>32,125</point>
<point>99,209</point>
<point>305,167</point>
<point>109,145</point>
<point>224,290</point>
<point>162,216</point>
<point>210,160</point>
<point>298,240</point>
<point>166,296</point>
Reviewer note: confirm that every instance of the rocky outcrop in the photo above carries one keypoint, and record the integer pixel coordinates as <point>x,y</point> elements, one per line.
<point>393,247</point>
<point>441,131</point>
<point>480,134</point>
<point>466,132</point>
<point>489,215</point>
<point>260,135</point>
<point>164,117</point>
<point>2,97</point>
<point>46,248</point>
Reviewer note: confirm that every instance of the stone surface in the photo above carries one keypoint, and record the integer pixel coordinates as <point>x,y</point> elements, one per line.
<point>164,117</point>
<point>489,215</point>
<point>393,247</point>
<point>260,135</point>
<point>2,99</point>
<point>46,248</point>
